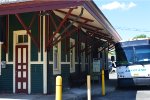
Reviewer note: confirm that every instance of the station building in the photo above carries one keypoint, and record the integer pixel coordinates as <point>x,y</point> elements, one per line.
<point>42,39</point>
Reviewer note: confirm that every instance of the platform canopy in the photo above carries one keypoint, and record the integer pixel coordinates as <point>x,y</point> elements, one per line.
<point>96,24</point>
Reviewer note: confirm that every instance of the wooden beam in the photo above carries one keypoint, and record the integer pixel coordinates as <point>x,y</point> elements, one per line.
<point>69,33</point>
<point>6,42</point>
<point>86,24</point>
<point>93,30</point>
<point>27,29</point>
<point>53,22</point>
<point>39,31</point>
<point>59,27</point>
<point>90,20</point>
<point>33,20</point>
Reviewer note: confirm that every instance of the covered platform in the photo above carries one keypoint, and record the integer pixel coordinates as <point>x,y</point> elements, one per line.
<point>51,38</point>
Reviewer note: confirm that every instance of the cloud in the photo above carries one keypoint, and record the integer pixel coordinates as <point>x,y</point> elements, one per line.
<point>118,5</point>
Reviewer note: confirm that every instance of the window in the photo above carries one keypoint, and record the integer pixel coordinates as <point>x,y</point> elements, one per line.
<point>56,56</point>
<point>22,39</point>
<point>83,57</point>
<point>72,55</point>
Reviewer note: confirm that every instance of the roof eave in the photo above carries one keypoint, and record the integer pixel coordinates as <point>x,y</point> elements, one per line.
<point>31,6</point>
<point>96,12</point>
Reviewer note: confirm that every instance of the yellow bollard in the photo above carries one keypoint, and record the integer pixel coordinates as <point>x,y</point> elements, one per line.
<point>89,87</point>
<point>103,83</point>
<point>58,95</point>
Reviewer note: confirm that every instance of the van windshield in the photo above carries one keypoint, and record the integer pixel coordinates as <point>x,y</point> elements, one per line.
<point>142,53</point>
<point>133,55</point>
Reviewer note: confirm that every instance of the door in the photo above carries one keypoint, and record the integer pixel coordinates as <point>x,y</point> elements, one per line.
<point>21,69</point>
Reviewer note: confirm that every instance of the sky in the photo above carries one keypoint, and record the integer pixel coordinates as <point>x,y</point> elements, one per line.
<point>129,17</point>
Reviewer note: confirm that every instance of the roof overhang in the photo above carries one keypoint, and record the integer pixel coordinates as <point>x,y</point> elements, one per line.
<point>91,11</point>
<point>36,5</point>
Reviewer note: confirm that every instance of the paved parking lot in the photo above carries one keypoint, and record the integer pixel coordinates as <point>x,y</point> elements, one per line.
<point>128,93</point>
<point>136,93</point>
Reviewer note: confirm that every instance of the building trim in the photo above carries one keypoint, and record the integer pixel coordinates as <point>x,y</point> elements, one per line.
<point>44,59</point>
<point>72,69</point>
<point>57,71</point>
<point>15,34</point>
<point>0,57</point>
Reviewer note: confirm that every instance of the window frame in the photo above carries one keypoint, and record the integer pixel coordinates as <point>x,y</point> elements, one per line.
<point>72,69</point>
<point>17,38</point>
<point>57,70</point>
<point>83,58</point>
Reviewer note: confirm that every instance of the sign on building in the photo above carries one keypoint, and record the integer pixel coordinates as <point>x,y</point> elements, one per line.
<point>96,65</point>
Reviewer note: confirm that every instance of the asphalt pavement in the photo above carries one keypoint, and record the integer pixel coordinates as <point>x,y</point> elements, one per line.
<point>79,93</point>
<point>126,93</point>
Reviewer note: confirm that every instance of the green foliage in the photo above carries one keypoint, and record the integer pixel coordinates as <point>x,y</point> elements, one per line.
<point>140,36</point>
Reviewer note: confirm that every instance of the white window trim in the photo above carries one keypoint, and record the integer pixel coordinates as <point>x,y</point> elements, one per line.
<point>58,70</point>
<point>21,33</point>
<point>15,40</point>
<point>83,58</point>
<point>72,69</point>
<point>0,55</point>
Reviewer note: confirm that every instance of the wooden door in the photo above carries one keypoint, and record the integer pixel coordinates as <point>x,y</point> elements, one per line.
<point>21,69</point>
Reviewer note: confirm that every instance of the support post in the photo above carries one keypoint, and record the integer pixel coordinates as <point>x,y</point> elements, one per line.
<point>0,55</point>
<point>59,27</point>
<point>44,58</point>
<point>27,29</point>
<point>58,95</point>
<point>103,83</point>
<point>88,87</point>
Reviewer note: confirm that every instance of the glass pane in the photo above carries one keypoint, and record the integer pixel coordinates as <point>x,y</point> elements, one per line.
<point>25,38</point>
<point>55,59</point>
<point>142,53</point>
<point>24,85</point>
<point>125,55</point>
<point>71,58</point>
<point>20,38</point>
<point>24,74</point>
<point>19,85</point>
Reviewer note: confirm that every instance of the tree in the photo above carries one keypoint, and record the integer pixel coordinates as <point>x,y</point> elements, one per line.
<point>140,36</point>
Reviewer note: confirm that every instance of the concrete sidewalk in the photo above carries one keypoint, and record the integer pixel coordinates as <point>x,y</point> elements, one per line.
<point>71,94</point>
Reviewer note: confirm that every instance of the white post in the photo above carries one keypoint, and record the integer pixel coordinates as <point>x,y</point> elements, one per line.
<point>45,60</point>
<point>88,87</point>
<point>29,65</point>
<point>0,56</point>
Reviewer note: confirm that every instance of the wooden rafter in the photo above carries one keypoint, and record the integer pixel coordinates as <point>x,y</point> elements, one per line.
<point>90,20</point>
<point>59,27</point>
<point>6,42</point>
<point>39,30</point>
<point>93,30</point>
<point>86,24</point>
<point>104,48</point>
<point>53,22</point>
<point>33,20</point>
<point>69,33</point>
<point>101,36</point>
<point>27,29</point>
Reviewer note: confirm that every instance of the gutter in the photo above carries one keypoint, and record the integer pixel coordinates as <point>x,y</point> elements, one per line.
<point>99,16</point>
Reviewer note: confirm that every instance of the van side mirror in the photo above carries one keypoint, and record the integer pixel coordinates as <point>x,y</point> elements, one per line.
<point>112,58</point>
